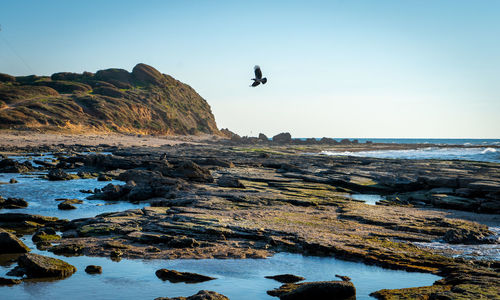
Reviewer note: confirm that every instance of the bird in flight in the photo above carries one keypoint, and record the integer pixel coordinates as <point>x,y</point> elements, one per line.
<point>258,77</point>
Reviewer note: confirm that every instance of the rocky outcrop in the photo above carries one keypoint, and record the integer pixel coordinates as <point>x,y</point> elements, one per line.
<point>143,101</point>
<point>9,243</point>
<point>37,266</point>
<point>282,138</point>
<point>13,203</point>
<point>201,295</point>
<point>320,290</point>
<point>176,276</point>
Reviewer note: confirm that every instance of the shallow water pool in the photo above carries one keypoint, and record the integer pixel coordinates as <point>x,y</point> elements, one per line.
<point>41,194</point>
<point>236,278</point>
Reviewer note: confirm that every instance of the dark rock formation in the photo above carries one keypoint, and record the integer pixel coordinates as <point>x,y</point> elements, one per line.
<point>176,276</point>
<point>286,278</point>
<point>320,290</point>
<point>92,269</point>
<point>37,266</point>
<point>59,174</point>
<point>12,203</point>
<point>201,295</point>
<point>282,138</point>
<point>9,243</point>
<point>9,281</point>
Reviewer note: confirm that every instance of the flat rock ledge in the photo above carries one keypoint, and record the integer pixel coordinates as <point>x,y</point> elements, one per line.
<point>286,278</point>
<point>176,276</point>
<point>201,295</point>
<point>37,266</point>
<point>319,290</point>
<point>9,243</point>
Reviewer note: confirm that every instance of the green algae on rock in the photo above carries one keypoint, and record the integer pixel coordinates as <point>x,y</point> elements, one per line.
<point>37,266</point>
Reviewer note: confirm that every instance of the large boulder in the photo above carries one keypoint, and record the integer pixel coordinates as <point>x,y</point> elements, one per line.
<point>282,138</point>
<point>37,266</point>
<point>176,276</point>
<point>201,295</point>
<point>319,290</point>
<point>9,243</point>
<point>147,74</point>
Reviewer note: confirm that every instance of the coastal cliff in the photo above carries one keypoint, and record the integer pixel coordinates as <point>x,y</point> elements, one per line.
<point>143,101</point>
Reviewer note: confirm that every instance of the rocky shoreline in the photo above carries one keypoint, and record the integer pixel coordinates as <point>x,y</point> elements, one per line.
<point>241,199</point>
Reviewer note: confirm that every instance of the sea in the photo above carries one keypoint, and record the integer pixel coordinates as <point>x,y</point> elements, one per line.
<point>485,150</point>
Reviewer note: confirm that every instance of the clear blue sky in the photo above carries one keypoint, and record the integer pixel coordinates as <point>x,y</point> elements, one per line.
<point>335,68</point>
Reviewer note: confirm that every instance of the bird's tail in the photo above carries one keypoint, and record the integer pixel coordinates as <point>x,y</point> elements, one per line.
<point>264,80</point>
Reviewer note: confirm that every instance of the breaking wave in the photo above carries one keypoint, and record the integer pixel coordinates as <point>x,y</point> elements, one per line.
<point>476,154</point>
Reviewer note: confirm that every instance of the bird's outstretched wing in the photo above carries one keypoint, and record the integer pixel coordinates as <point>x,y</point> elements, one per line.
<point>258,72</point>
<point>255,83</point>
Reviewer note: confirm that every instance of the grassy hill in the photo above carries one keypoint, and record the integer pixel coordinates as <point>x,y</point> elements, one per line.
<point>112,100</point>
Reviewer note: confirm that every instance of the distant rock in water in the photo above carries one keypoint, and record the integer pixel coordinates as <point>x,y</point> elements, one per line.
<point>143,101</point>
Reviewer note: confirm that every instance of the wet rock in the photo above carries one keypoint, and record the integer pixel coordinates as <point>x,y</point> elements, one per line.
<point>341,290</point>
<point>176,276</point>
<point>27,221</point>
<point>43,245</point>
<point>11,166</point>
<point>227,181</point>
<point>286,278</point>
<point>201,295</point>
<point>104,177</point>
<point>343,278</point>
<point>65,206</point>
<point>17,271</point>
<point>59,174</point>
<point>13,203</point>
<point>9,281</point>
<point>282,138</point>
<point>13,180</point>
<point>465,236</point>
<point>37,266</point>
<point>93,269</point>
<point>45,234</point>
<point>9,243</point>
<point>68,204</point>
<point>67,249</point>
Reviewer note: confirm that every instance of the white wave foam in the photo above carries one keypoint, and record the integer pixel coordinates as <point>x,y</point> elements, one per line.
<point>477,154</point>
<point>489,150</point>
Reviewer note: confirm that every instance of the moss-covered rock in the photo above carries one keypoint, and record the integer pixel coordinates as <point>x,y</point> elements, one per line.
<point>37,266</point>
